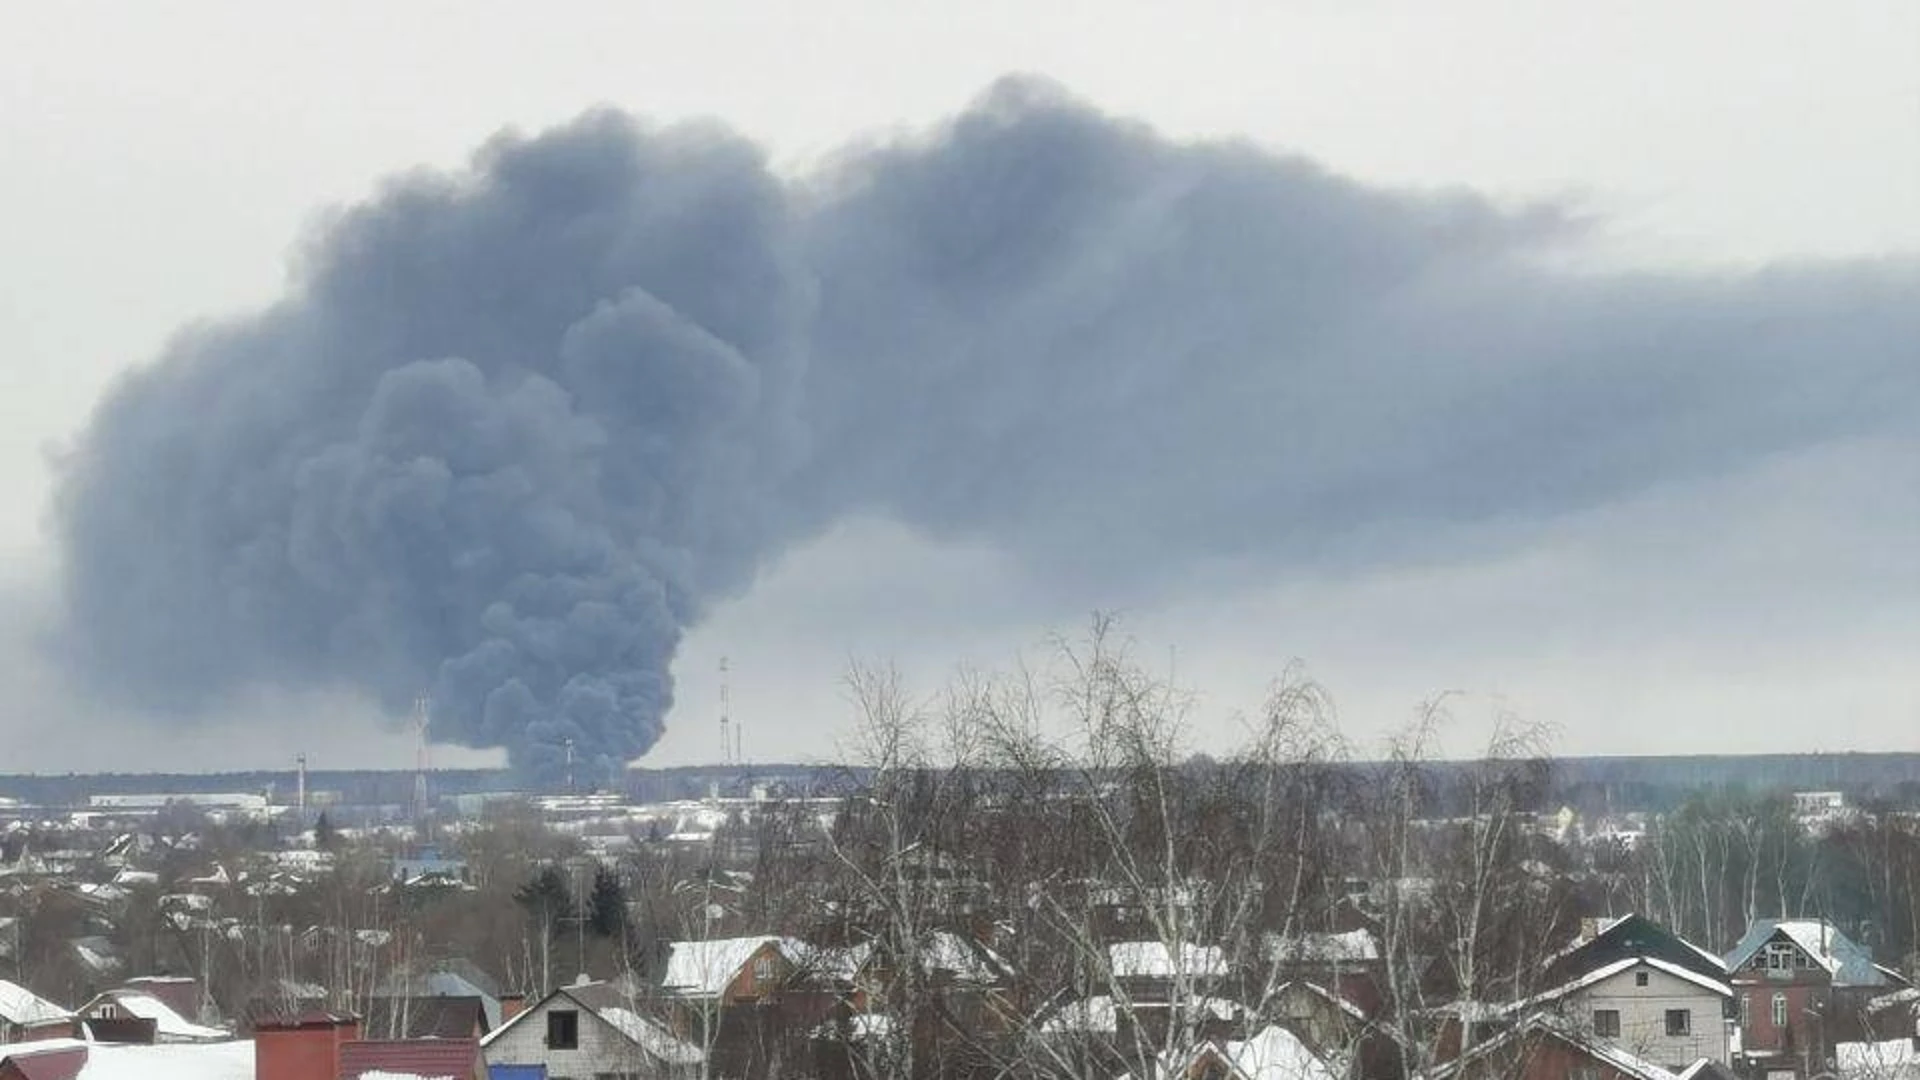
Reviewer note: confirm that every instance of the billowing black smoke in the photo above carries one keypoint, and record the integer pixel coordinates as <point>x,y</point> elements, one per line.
<point>510,432</point>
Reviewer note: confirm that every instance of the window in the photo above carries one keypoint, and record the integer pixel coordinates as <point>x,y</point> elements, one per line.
<point>563,1030</point>
<point>1780,958</point>
<point>1679,1021</point>
<point>1746,1012</point>
<point>762,968</point>
<point>1639,978</point>
<point>1779,1010</point>
<point>1606,1022</point>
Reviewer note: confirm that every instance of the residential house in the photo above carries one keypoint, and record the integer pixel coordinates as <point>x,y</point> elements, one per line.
<point>1802,986</point>
<point>1335,1028</point>
<point>134,1014</point>
<point>26,1016</point>
<point>1636,985</point>
<point>729,996</point>
<point>1349,963</point>
<point>1153,971</point>
<point>590,1030</point>
<point>950,990</point>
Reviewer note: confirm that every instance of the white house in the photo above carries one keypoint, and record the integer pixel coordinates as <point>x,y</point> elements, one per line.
<point>1654,1009</point>
<point>1635,985</point>
<point>590,1030</point>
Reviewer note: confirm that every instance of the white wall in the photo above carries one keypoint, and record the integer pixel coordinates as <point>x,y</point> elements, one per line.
<point>602,1049</point>
<point>1643,1016</point>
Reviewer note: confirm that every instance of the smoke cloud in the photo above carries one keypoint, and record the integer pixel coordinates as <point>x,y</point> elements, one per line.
<point>510,432</point>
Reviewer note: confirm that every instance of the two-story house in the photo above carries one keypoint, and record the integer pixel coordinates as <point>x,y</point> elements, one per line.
<point>1801,986</point>
<point>1633,984</point>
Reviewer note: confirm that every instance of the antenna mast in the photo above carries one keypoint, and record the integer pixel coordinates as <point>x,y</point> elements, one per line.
<point>726,744</point>
<point>422,706</point>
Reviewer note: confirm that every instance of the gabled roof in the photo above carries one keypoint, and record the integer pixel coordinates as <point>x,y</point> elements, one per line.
<point>1602,974</point>
<point>606,1002</point>
<point>1278,1054</point>
<point>1846,961</point>
<point>453,1059</point>
<point>1632,936</point>
<point>48,1059</point>
<point>609,1005</point>
<point>19,1005</point>
<point>1546,1025</point>
<point>167,1023</point>
<point>706,968</point>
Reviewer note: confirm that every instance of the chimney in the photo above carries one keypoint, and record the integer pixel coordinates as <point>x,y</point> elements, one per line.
<point>302,1047</point>
<point>511,1005</point>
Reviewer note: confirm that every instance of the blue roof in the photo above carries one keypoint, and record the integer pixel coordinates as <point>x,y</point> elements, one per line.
<point>1847,961</point>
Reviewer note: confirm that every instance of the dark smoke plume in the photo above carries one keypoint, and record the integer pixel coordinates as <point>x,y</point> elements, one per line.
<point>510,432</point>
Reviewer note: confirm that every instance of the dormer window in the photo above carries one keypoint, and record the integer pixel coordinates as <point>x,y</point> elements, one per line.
<point>1781,957</point>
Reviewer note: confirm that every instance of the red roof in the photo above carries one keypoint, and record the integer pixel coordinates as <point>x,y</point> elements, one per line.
<point>61,1061</point>
<point>419,1057</point>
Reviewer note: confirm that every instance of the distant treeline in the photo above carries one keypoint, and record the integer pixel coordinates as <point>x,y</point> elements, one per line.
<point>1591,785</point>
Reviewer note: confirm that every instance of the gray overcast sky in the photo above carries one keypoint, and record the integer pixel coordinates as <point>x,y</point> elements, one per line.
<point>162,162</point>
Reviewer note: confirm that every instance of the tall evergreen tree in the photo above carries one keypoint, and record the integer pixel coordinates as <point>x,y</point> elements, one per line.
<point>607,904</point>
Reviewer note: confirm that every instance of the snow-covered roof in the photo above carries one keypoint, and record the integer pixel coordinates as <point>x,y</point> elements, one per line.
<point>19,1005</point>
<point>1909,997</point>
<point>969,961</point>
<point>1351,947</point>
<point>1154,960</point>
<point>1278,1054</point>
<point>1099,1014</point>
<point>1096,1015</point>
<point>1608,971</point>
<point>704,968</point>
<point>231,1060</point>
<point>1847,962</point>
<point>167,1024</point>
<point>657,1041</point>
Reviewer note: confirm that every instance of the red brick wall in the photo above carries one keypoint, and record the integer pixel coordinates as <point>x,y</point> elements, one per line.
<point>1799,1032</point>
<point>300,1053</point>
